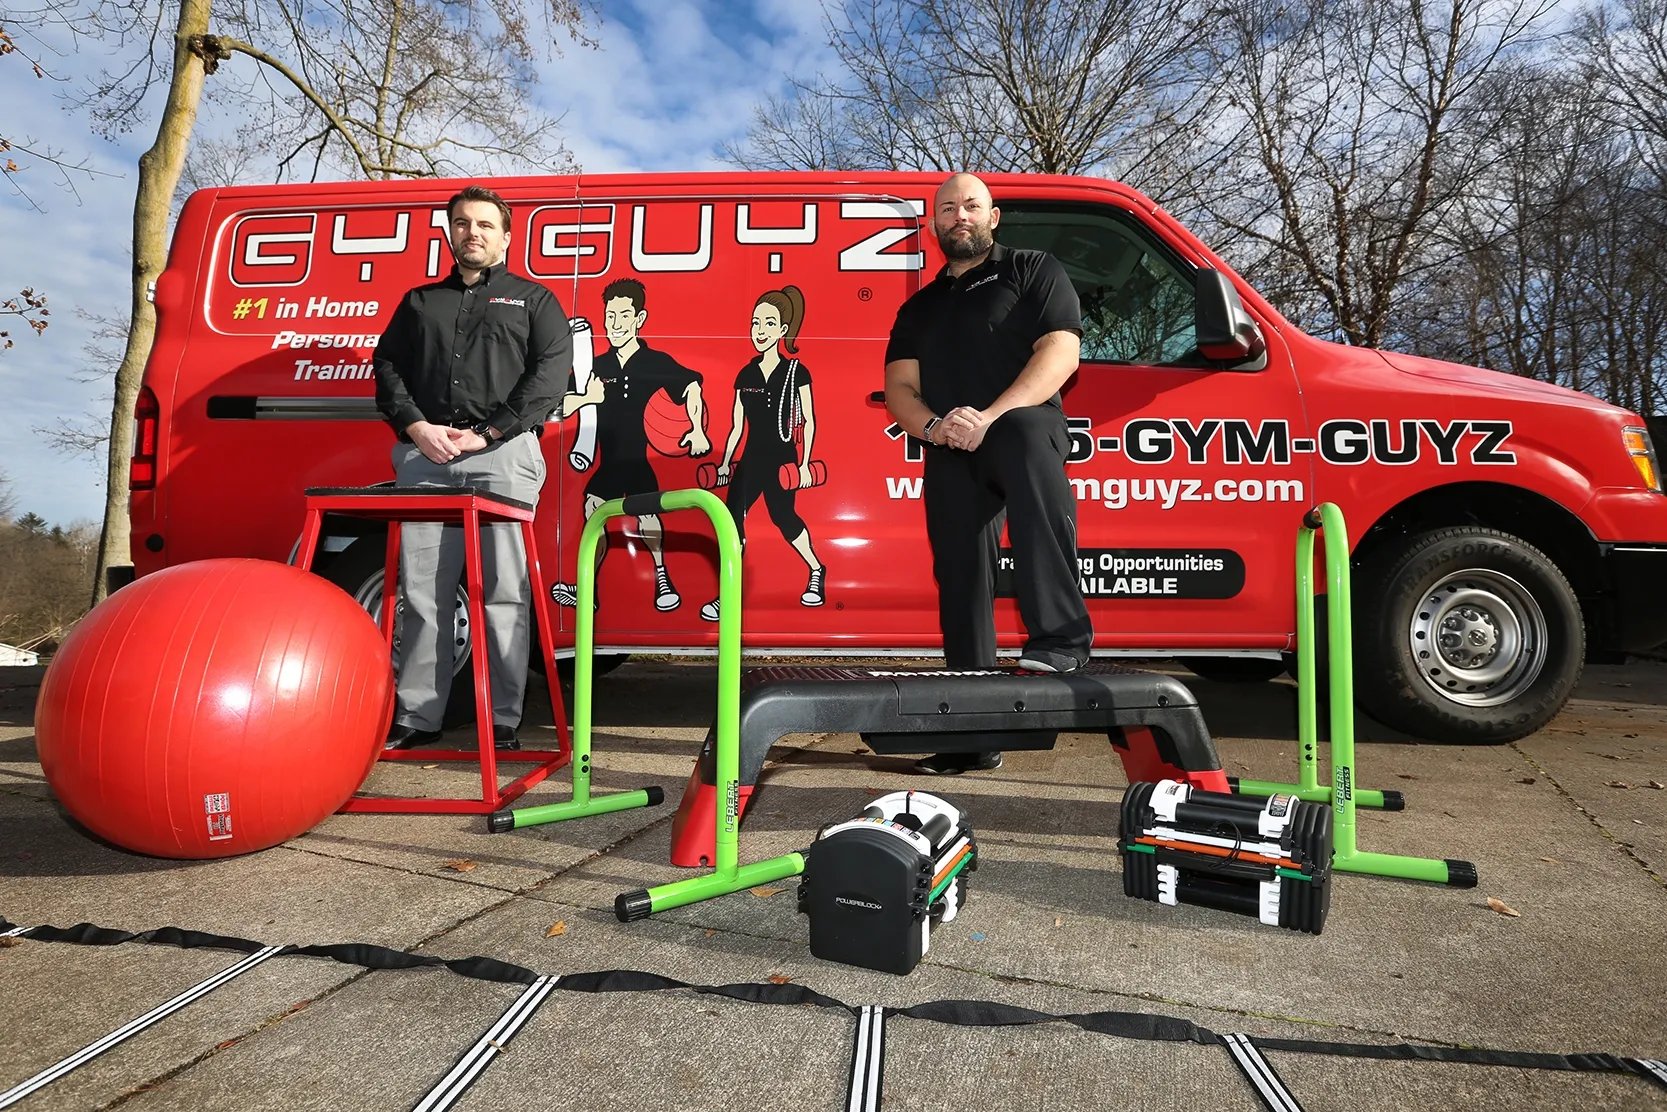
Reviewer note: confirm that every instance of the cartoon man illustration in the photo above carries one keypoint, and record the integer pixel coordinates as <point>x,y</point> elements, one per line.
<point>622,381</point>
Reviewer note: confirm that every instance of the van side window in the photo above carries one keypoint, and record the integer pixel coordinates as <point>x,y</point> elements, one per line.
<point>1137,301</point>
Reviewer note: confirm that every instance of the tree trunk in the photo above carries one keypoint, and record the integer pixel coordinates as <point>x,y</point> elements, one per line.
<point>159,174</point>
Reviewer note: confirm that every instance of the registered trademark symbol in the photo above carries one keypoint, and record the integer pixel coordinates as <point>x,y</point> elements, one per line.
<point>865,294</point>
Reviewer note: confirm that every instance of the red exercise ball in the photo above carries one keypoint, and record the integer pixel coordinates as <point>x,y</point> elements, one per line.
<point>214,708</point>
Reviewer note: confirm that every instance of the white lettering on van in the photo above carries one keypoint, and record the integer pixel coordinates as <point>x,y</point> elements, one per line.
<point>649,262</point>
<point>298,340</point>
<point>868,254</point>
<point>899,487</point>
<point>308,371</point>
<point>326,307</point>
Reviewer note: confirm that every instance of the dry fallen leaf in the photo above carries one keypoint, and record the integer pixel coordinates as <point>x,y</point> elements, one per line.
<point>10,941</point>
<point>780,979</point>
<point>1656,784</point>
<point>557,929</point>
<point>1525,779</point>
<point>1619,784</point>
<point>1551,861</point>
<point>710,932</point>
<point>431,766</point>
<point>764,891</point>
<point>1058,921</point>
<point>461,865</point>
<point>1503,908</point>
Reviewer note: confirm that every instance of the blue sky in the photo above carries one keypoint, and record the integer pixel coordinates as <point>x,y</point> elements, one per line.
<point>671,82</point>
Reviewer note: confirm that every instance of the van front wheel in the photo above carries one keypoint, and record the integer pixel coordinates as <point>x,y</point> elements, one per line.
<point>1465,635</point>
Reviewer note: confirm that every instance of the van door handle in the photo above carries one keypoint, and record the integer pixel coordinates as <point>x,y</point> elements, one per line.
<point>878,396</point>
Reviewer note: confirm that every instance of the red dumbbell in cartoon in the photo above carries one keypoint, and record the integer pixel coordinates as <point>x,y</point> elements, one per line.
<point>788,474</point>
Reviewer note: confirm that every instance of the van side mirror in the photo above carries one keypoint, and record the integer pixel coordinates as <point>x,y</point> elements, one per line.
<point>1226,334</point>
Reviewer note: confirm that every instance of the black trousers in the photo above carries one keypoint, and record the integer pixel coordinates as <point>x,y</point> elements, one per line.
<point>1018,472</point>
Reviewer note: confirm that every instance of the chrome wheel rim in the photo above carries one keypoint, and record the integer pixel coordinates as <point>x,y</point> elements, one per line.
<point>369,596</point>
<point>1478,638</point>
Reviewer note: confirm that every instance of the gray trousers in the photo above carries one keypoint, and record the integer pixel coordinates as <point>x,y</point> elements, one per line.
<point>431,566</point>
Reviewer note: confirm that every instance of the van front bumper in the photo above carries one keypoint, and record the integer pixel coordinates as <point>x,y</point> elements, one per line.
<point>1637,596</point>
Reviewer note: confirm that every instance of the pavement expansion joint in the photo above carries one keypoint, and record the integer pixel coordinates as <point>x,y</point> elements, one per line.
<point>1597,823</point>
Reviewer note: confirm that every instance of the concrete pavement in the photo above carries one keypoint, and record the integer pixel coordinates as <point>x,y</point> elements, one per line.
<point>1565,827</point>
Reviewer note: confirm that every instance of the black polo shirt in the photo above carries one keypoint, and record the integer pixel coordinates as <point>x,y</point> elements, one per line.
<point>497,351</point>
<point>974,333</point>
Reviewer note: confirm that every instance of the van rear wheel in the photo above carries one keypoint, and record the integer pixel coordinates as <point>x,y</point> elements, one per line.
<point>358,570</point>
<point>1466,635</point>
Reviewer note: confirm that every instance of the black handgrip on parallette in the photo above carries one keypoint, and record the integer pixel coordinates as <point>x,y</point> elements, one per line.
<point>631,906</point>
<point>649,503</point>
<point>500,822</point>
<point>1460,874</point>
<point>1394,801</point>
<point>656,796</point>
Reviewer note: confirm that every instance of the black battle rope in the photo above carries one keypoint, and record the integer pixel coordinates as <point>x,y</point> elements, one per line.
<point>1140,1026</point>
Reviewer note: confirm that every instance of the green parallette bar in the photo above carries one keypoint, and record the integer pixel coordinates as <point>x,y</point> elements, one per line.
<point>695,889</point>
<point>1343,795</point>
<point>575,809</point>
<point>1363,797</point>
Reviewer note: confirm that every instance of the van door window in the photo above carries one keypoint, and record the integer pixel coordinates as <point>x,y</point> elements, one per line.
<point>1137,300</point>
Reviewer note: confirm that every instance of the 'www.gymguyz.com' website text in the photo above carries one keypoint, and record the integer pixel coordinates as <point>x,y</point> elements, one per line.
<point>1118,493</point>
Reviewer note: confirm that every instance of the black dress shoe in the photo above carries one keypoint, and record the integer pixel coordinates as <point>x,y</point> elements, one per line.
<point>504,737</point>
<point>953,764</point>
<point>409,737</point>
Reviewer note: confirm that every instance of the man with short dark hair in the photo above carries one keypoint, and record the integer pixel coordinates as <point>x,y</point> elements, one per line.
<point>974,367</point>
<point>467,373</point>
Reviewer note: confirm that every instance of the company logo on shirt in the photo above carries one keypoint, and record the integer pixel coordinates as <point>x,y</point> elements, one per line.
<point>981,282</point>
<point>506,301</point>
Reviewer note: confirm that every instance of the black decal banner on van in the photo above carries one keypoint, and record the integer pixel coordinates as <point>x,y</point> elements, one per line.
<point>1189,573</point>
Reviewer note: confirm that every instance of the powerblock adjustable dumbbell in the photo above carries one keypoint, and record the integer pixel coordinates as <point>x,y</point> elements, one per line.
<point>875,886</point>
<point>1270,858</point>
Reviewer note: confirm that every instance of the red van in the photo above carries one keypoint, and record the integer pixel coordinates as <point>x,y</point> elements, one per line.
<point>1502,528</point>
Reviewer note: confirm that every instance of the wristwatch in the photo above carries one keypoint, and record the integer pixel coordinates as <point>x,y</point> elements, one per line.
<point>926,429</point>
<point>488,433</point>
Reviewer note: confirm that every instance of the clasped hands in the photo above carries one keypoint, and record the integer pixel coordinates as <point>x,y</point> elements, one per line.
<point>442,443</point>
<point>962,428</point>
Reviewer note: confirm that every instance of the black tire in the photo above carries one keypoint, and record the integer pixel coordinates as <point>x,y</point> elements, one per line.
<point>358,570</point>
<point>1234,669</point>
<point>1465,635</point>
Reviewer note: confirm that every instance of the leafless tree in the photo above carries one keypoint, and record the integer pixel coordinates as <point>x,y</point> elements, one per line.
<point>378,89</point>
<point>29,306</point>
<point>1044,86</point>
<point>1351,128</point>
<point>1625,56</point>
<point>68,169</point>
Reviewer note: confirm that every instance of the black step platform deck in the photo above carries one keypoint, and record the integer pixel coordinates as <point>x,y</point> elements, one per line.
<point>1152,721</point>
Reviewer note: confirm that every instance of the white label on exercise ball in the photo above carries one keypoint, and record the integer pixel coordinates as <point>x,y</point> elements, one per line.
<point>218,807</point>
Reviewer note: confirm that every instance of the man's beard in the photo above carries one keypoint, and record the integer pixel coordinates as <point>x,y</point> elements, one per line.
<point>978,242</point>
<point>475,258</point>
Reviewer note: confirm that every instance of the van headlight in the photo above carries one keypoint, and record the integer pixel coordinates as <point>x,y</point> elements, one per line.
<point>1638,446</point>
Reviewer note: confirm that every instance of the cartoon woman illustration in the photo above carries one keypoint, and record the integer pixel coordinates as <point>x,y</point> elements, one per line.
<point>773,400</point>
